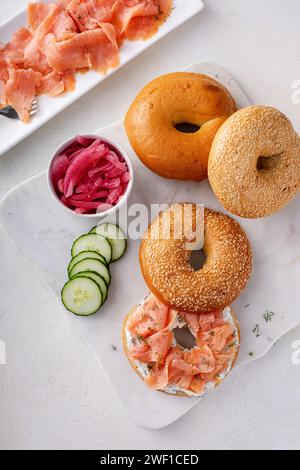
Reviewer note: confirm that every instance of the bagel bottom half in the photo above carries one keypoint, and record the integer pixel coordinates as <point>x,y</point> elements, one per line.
<point>146,370</point>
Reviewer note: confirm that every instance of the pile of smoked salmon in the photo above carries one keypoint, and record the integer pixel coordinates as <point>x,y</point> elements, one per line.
<point>68,36</point>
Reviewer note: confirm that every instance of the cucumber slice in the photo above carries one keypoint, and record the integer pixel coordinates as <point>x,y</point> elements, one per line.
<point>84,255</point>
<point>94,265</point>
<point>115,236</point>
<point>92,242</point>
<point>97,278</point>
<point>82,296</point>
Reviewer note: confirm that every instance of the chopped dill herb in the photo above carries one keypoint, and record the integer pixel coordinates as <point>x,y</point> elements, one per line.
<point>140,338</point>
<point>268,316</point>
<point>256,330</point>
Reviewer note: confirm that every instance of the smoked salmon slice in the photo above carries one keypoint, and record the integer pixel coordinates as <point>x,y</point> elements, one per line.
<point>181,373</point>
<point>142,352</point>
<point>155,349</point>
<point>125,10</point>
<point>218,338</point>
<point>20,91</point>
<point>207,321</point>
<point>87,13</point>
<point>151,317</point>
<point>193,321</point>
<point>2,94</point>
<point>57,23</point>
<point>13,53</point>
<point>197,384</point>
<point>202,358</point>
<point>36,14</point>
<point>56,83</point>
<point>4,75</point>
<point>143,27</point>
<point>160,344</point>
<point>159,378</point>
<point>203,322</point>
<point>89,49</point>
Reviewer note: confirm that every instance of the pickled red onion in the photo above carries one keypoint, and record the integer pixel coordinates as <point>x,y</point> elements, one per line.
<point>90,175</point>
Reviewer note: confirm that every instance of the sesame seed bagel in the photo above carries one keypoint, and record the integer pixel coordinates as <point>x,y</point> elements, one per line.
<point>168,102</point>
<point>254,163</point>
<point>165,260</point>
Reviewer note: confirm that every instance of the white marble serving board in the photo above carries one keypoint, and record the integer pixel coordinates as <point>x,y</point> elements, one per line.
<point>43,232</point>
<point>12,132</point>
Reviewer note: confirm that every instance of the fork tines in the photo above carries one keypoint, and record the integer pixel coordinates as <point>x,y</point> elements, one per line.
<point>34,107</point>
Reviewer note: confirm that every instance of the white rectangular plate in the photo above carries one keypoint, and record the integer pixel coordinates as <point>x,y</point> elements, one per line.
<point>43,233</point>
<point>12,132</point>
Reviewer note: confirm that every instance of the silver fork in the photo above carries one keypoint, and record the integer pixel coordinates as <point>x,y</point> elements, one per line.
<point>10,113</point>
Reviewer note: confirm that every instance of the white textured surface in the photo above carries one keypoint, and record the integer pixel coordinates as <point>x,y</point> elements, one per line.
<point>52,392</point>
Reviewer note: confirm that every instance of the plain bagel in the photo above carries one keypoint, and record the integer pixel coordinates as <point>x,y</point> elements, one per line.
<point>166,267</point>
<point>155,123</point>
<point>254,163</point>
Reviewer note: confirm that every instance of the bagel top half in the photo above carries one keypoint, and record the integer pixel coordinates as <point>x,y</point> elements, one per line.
<point>167,270</point>
<point>152,123</point>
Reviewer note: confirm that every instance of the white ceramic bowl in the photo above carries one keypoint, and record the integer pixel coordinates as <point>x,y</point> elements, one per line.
<point>112,210</point>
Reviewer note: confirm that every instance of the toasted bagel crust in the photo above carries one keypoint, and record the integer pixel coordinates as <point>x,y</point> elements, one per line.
<point>165,263</point>
<point>170,100</point>
<point>244,183</point>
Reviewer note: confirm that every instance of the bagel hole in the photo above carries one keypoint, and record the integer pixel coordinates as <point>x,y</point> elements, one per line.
<point>187,127</point>
<point>268,163</point>
<point>184,338</point>
<point>197,259</point>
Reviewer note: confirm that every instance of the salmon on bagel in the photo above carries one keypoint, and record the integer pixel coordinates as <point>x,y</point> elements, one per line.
<point>152,346</point>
